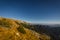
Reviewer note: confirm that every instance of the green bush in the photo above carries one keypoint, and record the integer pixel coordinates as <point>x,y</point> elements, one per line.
<point>5,23</point>
<point>21,29</point>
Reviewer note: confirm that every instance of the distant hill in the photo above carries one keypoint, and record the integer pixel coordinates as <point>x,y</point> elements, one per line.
<point>11,29</point>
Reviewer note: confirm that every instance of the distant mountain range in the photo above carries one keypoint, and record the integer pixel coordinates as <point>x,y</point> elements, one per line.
<point>51,30</point>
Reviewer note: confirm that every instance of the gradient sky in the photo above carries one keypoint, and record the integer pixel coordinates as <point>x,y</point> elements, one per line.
<point>35,11</point>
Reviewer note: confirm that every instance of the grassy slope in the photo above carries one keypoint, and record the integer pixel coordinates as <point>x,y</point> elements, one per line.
<point>13,30</point>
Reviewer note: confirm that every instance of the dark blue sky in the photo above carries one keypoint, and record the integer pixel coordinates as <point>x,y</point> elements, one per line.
<point>36,11</point>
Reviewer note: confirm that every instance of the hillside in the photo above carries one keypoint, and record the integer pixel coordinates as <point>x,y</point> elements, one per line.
<point>11,29</point>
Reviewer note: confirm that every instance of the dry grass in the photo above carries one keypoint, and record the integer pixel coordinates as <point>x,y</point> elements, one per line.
<point>12,30</point>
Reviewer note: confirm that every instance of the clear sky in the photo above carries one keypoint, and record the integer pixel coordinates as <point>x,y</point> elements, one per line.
<point>35,11</point>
